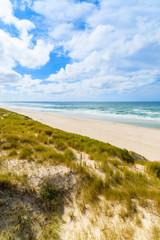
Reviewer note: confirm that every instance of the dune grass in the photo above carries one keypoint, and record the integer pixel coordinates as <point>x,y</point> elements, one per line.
<point>22,138</point>
<point>26,138</point>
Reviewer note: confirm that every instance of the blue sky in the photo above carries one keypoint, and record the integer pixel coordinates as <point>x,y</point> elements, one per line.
<point>106,50</point>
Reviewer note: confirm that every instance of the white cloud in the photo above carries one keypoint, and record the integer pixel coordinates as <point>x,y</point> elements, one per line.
<point>9,76</point>
<point>33,57</point>
<point>6,14</point>
<point>28,85</point>
<point>90,86</point>
<point>63,17</point>
<point>19,49</point>
<point>62,32</point>
<point>90,66</point>
<point>63,10</point>
<point>114,31</point>
<point>24,4</point>
<point>85,42</point>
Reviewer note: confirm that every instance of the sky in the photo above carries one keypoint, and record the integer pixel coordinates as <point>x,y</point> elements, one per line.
<point>79,50</point>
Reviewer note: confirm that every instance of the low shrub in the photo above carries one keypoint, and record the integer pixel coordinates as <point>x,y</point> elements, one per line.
<point>48,192</point>
<point>26,153</point>
<point>154,168</point>
<point>48,132</point>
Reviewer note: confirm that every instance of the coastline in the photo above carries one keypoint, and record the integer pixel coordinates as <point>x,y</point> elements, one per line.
<point>144,141</point>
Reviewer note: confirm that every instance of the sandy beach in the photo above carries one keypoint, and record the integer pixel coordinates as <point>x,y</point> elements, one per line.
<point>144,141</point>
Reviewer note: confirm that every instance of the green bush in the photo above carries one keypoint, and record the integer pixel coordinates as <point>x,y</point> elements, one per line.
<point>49,193</point>
<point>154,168</point>
<point>48,132</point>
<point>26,153</point>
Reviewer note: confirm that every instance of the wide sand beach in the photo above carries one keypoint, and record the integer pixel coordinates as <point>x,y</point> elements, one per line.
<point>144,141</point>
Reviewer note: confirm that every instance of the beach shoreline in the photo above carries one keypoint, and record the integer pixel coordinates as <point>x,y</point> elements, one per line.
<point>144,141</point>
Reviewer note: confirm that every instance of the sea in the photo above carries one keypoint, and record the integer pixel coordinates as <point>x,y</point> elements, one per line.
<point>144,114</point>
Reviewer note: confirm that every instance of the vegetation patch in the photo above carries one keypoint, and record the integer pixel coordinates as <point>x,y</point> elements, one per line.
<point>154,168</point>
<point>49,193</point>
<point>113,177</point>
<point>26,153</point>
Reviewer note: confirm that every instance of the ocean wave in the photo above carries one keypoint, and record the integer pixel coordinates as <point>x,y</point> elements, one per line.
<point>101,111</point>
<point>118,116</point>
<point>150,112</point>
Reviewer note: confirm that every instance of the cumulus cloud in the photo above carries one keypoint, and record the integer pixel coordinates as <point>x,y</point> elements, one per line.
<point>34,86</point>
<point>6,14</point>
<point>20,48</point>
<point>62,32</point>
<point>102,51</point>
<point>63,17</point>
<point>9,76</point>
<point>28,85</point>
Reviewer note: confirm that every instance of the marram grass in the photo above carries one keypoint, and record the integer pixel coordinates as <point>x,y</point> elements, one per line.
<point>24,139</point>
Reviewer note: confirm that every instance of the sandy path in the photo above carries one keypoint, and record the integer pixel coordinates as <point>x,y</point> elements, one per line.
<point>144,141</point>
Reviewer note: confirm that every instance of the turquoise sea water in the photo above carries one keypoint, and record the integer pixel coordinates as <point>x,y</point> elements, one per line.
<point>146,114</point>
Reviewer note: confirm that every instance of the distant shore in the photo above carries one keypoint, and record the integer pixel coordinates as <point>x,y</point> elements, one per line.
<point>144,141</point>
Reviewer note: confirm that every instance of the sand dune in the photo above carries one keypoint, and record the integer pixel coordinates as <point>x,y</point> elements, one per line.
<point>144,141</point>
